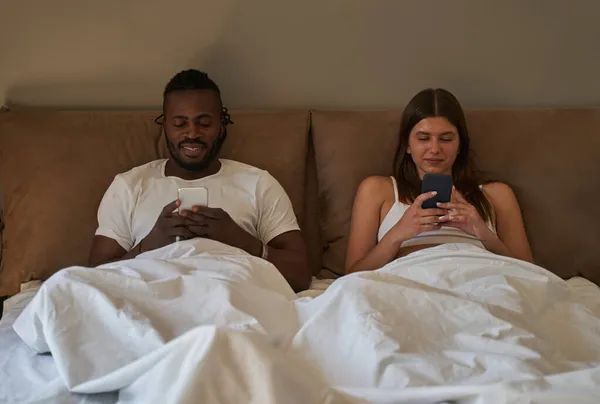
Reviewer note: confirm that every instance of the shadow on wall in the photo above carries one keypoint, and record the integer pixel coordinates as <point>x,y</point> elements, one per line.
<point>355,54</point>
<point>115,54</point>
<point>252,69</point>
<point>87,95</point>
<point>265,56</point>
<point>309,54</point>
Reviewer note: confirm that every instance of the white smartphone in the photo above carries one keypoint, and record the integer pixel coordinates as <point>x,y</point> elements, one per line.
<point>190,197</point>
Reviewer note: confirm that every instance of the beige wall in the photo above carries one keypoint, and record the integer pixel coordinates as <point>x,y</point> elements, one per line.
<point>312,53</point>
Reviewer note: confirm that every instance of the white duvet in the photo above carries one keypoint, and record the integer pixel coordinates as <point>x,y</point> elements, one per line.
<point>178,326</point>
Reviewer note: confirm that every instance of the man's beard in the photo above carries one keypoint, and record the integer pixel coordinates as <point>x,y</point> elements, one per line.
<point>209,157</point>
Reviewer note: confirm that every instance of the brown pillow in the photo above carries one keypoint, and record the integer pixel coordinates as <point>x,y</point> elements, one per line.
<point>550,158</point>
<point>56,165</point>
<point>349,146</point>
<point>54,169</point>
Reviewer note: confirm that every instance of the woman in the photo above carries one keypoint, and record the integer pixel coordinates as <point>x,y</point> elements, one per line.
<point>387,219</point>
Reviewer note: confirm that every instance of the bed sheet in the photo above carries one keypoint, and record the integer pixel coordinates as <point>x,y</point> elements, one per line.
<point>316,358</point>
<point>28,377</point>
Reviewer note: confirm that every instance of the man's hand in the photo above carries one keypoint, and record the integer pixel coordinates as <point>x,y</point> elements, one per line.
<point>167,228</point>
<point>204,222</point>
<point>216,224</point>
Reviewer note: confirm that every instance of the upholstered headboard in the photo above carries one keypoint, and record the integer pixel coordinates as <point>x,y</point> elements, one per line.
<point>56,165</point>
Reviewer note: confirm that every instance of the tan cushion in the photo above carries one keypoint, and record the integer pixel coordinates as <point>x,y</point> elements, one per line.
<point>55,166</point>
<point>349,146</point>
<point>549,157</point>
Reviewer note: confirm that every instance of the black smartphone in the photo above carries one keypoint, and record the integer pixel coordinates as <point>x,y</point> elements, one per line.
<point>441,183</point>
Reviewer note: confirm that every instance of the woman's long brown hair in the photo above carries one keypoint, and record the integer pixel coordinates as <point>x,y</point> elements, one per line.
<point>438,103</point>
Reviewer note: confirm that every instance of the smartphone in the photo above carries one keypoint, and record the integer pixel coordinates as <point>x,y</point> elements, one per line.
<point>441,183</point>
<point>189,197</point>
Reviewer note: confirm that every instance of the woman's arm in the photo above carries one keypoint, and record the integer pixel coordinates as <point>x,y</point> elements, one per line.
<point>364,253</point>
<point>511,236</point>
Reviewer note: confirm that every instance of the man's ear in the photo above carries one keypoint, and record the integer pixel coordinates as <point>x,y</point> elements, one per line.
<point>160,121</point>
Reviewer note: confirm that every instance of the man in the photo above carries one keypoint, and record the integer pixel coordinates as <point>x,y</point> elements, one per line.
<point>248,208</point>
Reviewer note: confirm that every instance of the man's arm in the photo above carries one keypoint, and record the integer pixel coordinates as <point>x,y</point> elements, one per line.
<point>105,250</point>
<point>113,238</point>
<point>278,227</point>
<point>288,253</point>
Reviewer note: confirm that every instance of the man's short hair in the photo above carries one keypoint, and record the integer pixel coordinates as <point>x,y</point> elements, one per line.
<point>191,79</point>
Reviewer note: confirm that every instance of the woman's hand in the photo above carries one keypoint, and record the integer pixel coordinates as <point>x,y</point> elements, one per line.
<point>462,215</point>
<point>416,220</point>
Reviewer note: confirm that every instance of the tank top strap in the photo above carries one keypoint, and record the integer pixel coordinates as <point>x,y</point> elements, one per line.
<point>395,188</point>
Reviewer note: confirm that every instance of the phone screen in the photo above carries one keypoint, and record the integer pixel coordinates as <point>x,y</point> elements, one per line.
<point>190,197</point>
<point>440,183</point>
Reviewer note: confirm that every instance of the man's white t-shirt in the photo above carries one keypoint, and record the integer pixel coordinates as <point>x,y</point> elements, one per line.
<point>251,196</point>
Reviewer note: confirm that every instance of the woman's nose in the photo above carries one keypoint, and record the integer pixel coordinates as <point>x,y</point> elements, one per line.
<point>434,146</point>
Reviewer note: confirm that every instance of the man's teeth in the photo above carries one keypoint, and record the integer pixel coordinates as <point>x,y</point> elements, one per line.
<point>191,148</point>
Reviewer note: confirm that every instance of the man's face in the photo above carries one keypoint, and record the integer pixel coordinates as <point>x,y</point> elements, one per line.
<point>192,127</point>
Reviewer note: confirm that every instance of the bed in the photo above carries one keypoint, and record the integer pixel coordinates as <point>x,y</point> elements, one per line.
<point>200,321</point>
<point>453,323</point>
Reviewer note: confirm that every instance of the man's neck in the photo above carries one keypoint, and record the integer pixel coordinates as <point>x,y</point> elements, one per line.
<point>175,170</point>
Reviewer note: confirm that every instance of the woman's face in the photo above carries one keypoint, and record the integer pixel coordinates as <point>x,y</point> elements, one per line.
<point>433,144</point>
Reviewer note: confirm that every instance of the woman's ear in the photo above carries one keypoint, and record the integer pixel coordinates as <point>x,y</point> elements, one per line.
<point>408,150</point>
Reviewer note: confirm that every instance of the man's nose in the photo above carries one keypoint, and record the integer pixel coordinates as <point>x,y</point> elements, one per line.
<point>194,131</point>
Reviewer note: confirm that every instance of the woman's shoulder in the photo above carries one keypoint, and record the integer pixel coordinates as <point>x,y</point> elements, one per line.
<point>376,184</point>
<point>498,191</point>
<point>376,187</point>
